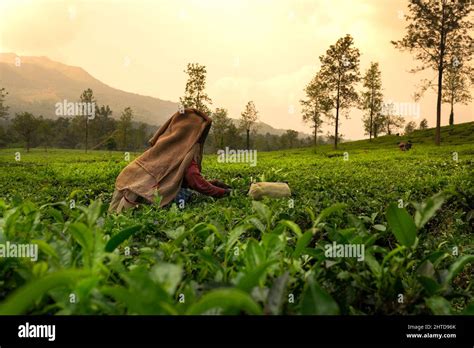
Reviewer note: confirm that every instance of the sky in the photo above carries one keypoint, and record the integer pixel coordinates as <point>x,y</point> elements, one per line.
<point>261,50</point>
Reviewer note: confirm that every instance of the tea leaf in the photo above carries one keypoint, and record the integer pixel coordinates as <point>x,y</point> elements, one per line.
<point>317,301</point>
<point>227,299</point>
<point>402,225</point>
<point>120,237</point>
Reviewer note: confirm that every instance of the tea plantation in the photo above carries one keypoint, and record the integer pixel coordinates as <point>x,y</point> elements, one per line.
<point>412,212</point>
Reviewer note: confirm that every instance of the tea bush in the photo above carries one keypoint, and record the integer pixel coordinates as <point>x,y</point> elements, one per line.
<point>412,211</point>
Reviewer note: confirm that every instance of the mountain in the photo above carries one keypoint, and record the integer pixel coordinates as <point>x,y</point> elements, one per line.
<point>264,128</point>
<point>39,83</point>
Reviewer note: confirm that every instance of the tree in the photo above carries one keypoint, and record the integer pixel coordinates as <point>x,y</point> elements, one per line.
<point>438,31</point>
<point>124,127</point>
<point>233,136</point>
<point>457,82</point>
<point>3,114</point>
<point>101,126</point>
<point>377,124</point>
<point>248,120</point>
<point>330,137</point>
<point>315,105</point>
<point>410,127</point>
<point>194,93</point>
<point>339,72</point>
<point>110,144</point>
<point>67,131</point>
<point>140,136</point>
<point>3,137</point>
<point>46,132</point>
<point>86,97</point>
<point>423,124</point>
<point>391,121</point>
<point>25,124</point>
<point>289,138</point>
<point>220,124</point>
<point>3,107</point>
<point>372,98</point>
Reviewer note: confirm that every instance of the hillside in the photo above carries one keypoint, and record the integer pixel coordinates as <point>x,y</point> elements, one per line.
<point>264,128</point>
<point>462,133</point>
<point>39,83</point>
<point>224,249</point>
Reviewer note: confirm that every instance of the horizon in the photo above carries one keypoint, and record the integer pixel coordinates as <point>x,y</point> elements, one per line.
<point>250,64</point>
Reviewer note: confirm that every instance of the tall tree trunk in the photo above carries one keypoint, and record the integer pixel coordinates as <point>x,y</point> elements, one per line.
<point>337,119</point>
<point>438,107</point>
<point>87,131</point>
<point>315,129</point>
<point>371,125</point>
<point>248,139</point>
<point>125,139</point>
<point>315,135</point>
<point>451,115</point>
<point>440,80</point>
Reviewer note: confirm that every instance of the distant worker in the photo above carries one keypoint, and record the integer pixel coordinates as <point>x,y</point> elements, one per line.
<point>405,146</point>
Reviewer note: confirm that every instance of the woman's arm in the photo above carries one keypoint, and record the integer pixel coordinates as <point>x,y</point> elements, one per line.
<point>196,182</point>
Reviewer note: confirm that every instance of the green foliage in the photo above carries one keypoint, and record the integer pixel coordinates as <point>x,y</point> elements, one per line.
<point>235,256</point>
<point>433,24</point>
<point>317,301</point>
<point>371,100</point>
<point>117,239</point>
<point>402,225</point>
<point>428,208</point>
<point>194,94</point>
<point>339,73</point>
<point>231,301</point>
<point>23,298</point>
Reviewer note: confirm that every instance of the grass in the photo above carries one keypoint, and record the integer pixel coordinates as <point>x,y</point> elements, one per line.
<point>233,255</point>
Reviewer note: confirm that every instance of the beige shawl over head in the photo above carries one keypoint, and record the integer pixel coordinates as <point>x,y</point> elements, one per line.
<point>161,168</point>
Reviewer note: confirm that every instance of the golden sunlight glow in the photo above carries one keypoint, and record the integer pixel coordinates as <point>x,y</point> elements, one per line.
<point>260,50</point>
